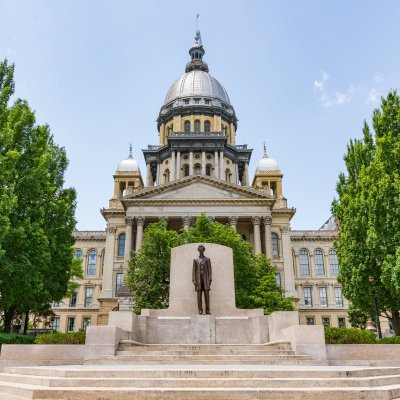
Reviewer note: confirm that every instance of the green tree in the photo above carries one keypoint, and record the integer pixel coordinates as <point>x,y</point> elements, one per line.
<point>357,317</point>
<point>255,283</point>
<point>36,258</point>
<point>368,214</point>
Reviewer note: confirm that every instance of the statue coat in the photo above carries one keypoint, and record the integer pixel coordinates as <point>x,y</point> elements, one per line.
<point>207,274</point>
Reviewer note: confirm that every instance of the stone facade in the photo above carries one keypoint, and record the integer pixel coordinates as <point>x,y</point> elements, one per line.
<point>197,167</point>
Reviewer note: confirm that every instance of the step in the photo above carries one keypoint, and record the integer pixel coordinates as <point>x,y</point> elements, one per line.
<point>191,382</point>
<point>123,393</point>
<point>125,351</point>
<point>202,371</point>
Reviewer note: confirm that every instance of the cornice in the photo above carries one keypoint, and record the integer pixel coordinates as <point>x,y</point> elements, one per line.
<point>178,183</point>
<point>89,235</point>
<point>320,235</point>
<point>185,202</point>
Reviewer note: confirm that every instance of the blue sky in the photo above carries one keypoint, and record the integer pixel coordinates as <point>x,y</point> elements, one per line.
<point>302,75</point>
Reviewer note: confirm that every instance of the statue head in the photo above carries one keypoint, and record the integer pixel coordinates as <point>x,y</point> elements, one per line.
<point>201,249</point>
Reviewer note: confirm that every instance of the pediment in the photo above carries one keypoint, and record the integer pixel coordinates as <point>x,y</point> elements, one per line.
<point>199,187</point>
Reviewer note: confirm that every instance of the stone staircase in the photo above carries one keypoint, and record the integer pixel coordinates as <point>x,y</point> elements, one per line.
<point>200,372</point>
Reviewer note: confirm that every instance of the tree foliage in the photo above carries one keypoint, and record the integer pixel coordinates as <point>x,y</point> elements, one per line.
<point>368,214</point>
<point>148,275</point>
<point>37,212</point>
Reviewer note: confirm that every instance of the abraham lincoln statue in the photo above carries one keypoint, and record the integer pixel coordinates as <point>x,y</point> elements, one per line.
<point>202,277</point>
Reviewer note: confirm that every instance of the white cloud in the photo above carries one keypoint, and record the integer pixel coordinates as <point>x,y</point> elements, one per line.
<point>377,78</point>
<point>373,97</point>
<point>337,98</point>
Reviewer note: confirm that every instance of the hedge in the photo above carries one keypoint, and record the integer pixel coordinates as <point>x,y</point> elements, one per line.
<point>349,336</point>
<point>14,338</point>
<point>61,338</point>
<point>390,340</point>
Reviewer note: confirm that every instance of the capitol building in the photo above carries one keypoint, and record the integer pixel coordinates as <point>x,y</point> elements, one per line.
<point>197,167</point>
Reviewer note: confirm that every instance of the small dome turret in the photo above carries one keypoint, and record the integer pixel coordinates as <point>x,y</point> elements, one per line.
<point>267,163</point>
<point>129,164</point>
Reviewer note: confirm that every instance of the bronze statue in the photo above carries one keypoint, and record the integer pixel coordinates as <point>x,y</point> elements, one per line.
<point>202,277</point>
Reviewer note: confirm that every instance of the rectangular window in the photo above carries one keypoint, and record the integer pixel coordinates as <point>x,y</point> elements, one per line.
<point>304,263</point>
<point>56,324</point>
<point>207,101</point>
<point>342,322</point>
<point>118,283</point>
<point>278,279</point>
<point>326,321</point>
<point>86,323</point>
<point>323,300</point>
<point>56,304</point>
<point>89,297</point>
<point>196,101</point>
<point>319,263</point>
<point>307,297</point>
<point>338,297</point>
<point>70,324</point>
<point>333,261</point>
<point>310,321</point>
<point>186,102</point>
<point>72,300</point>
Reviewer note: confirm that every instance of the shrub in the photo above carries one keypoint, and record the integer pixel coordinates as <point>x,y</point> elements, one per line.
<point>14,338</point>
<point>61,338</point>
<point>349,336</point>
<point>390,340</point>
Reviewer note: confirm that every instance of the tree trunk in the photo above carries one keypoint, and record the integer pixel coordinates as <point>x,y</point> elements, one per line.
<point>395,320</point>
<point>8,318</point>
<point>26,321</point>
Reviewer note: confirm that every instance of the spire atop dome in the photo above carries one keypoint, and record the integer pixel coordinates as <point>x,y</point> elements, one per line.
<point>265,149</point>
<point>196,53</point>
<point>130,151</point>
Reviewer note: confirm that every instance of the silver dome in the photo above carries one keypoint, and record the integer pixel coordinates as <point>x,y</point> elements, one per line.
<point>128,165</point>
<point>197,83</point>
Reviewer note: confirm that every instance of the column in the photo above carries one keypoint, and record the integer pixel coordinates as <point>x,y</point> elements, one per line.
<point>236,173</point>
<point>128,239</point>
<point>109,263</point>
<point>203,162</point>
<point>268,238</point>
<point>287,261</point>
<point>191,163</point>
<point>257,235</point>
<point>186,220</point>
<point>221,165</point>
<point>139,232</point>
<point>233,220</point>
<point>149,177</point>
<point>216,167</point>
<point>245,180</point>
<point>172,170</point>
<point>178,165</point>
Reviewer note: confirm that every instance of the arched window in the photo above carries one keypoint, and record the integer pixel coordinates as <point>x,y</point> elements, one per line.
<point>91,264</point>
<point>197,126</point>
<point>275,244</point>
<point>187,126</point>
<point>166,176</point>
<point>333,261</point>
<point>304,263</point>
<point>121,245</point>
<point>207,126</point>
<point>78,254</point>
<point>208,170</point>
<point>319,262</point>
<point>197,169</point>
<point>186,170</point>
<point>228,175</point>
<point>103,256</point>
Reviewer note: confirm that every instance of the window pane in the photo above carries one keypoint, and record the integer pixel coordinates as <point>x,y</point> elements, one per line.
<point>187,126</point>
<point>326,321</point>
<point>310,320</point>
<point>307,297</point>
<point>86,323</point>
<point>91,267</point>
<point>275,244</point>
<point>207,126</point>
<point>304,263</point>
<point>278,279</point>
<point>121,245</point>
<point>322,297</point>
<point>333,262</point>
<point>89,297</point>
<point>197,126</point>
<point>319,262</point>
<point>78,254</point>
<point>56,324</point>
<point>338,297</point>
<point>71,324</point>
<point>72,300</point>
<point>118,283</point>
<point>342,322</point>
